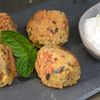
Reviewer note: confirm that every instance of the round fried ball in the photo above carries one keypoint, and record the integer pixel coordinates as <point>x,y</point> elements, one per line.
<point>57,67</point>
<point>48,27</point>
<point>7,66</point>
<point>6,22</point>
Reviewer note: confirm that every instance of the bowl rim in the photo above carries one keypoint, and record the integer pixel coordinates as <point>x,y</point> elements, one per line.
<point>86,43</point>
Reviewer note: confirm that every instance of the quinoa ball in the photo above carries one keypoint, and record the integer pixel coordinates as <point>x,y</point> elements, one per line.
<point>48,27</point>
<point>6,22</point>
<point>7,66</point>
<point>57,67</point>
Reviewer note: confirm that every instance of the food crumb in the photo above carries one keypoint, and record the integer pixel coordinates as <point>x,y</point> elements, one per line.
<point>53,97</point>
<point>30,1</point>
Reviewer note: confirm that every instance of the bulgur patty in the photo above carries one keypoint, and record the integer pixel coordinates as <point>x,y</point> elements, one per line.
<point>57,67</point>
<point>48,27</point>
<point>7,66</point>
<point>6,22</point>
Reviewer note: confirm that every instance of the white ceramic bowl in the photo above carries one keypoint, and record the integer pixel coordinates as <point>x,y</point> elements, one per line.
<point>91,12</point>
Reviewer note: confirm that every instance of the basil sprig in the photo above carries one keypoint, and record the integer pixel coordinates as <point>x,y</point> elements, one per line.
<point>22,49</point>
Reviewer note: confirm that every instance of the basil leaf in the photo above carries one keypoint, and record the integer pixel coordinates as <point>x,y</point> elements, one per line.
<point>22,49</point>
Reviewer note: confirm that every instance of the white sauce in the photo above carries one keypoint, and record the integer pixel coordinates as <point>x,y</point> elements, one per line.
<point>92,31</point>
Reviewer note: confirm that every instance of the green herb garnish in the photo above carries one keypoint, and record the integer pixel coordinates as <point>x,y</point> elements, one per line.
<point>22,49</point>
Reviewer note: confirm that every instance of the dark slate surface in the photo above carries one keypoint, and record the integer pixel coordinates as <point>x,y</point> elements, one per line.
<point>32,89</point>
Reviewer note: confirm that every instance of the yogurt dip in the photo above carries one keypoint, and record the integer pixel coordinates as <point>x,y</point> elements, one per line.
<point>92,31</point>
